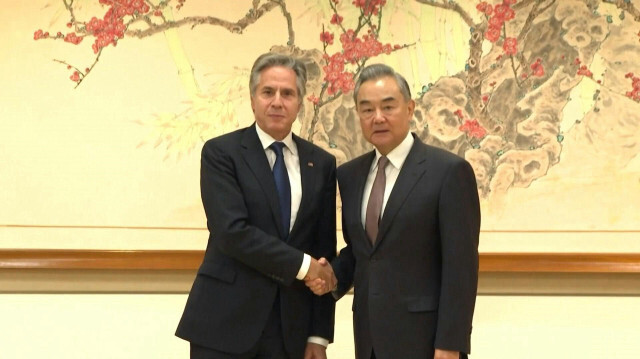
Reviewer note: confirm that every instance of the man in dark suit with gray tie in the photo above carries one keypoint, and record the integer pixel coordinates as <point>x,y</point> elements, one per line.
<point>269,197</point>
<point>411,221</point>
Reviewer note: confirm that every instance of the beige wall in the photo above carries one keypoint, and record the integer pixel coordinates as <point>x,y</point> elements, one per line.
<point>141,326</point>
<point>90,167</point>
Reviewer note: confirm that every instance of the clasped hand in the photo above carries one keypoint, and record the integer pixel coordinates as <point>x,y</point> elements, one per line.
<point>320,278</point>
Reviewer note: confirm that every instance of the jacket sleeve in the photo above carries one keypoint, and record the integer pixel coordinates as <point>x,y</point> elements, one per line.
<point>344,264</point>
<point>322,324</point>
<point>228,219</point>
<point>459,223</point>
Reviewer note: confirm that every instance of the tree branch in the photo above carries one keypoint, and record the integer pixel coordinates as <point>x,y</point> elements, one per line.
<point>522,4</point>
<point>626,6</point>
<point>287,15</point>
<point>69,7</point>
<point>450,5</point>
<point>234,27</point>
<point>526,28</point>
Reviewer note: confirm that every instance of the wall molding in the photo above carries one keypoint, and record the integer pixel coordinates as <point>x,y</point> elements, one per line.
<point>560,262</point>
<point>32,271</point>
<point>89,259</point>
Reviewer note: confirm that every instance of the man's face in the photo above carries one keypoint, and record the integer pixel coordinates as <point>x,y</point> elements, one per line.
<point>384,113</point>
<point>276,102</point>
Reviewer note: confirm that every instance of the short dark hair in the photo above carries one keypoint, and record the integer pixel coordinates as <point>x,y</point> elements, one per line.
<point>376,71</point>
<point>270,59</point>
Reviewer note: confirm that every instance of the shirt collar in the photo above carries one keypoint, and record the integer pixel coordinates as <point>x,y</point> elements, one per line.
<point>398,155</point>
<point>266,140</point>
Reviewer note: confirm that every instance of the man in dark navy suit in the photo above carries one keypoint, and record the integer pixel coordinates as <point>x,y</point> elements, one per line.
<point>269,197</point>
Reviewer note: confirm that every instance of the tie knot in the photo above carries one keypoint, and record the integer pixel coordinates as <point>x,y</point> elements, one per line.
<point>277,148</point>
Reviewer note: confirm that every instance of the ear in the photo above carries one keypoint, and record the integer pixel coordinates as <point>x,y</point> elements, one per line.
<point>300,107</point>
<point>411,107</point>
<point>253,108</point>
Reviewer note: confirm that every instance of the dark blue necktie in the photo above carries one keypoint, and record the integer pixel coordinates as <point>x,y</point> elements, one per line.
<point>281,177</point>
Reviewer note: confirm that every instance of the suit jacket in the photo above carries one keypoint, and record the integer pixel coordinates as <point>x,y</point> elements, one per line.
<point>246,262</point>
<point>415,288</point>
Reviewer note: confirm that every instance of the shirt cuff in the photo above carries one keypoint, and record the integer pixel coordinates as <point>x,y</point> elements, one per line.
<point>304,268</point>
<point>318,340</point>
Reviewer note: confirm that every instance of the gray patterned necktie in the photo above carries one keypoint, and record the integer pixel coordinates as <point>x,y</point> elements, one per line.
<point>374,207</point>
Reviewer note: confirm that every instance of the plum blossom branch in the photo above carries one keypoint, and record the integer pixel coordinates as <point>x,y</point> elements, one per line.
<point>122,14</point>
<point>344,66</point>
<point>78,75</point>
<point>450,5</point>
<point>233,27</point>
<point>287,16</point>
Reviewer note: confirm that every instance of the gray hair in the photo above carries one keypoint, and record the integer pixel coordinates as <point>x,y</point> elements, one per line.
<point>268,60</point>
<point>376,71</point>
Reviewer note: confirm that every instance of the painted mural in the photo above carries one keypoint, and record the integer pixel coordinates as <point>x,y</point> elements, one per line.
<point>542,97</point>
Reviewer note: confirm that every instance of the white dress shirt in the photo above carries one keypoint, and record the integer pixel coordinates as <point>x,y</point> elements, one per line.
<point>292,162</point>
<point>396,157</point>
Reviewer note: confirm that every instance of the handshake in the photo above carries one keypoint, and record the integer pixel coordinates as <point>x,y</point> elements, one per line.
<point>320,278</point>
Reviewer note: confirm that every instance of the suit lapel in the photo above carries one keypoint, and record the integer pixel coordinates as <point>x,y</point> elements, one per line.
<point>360,174</point>
<point>308,175</point>
<point>256,159</point>
<point>413,169</point>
